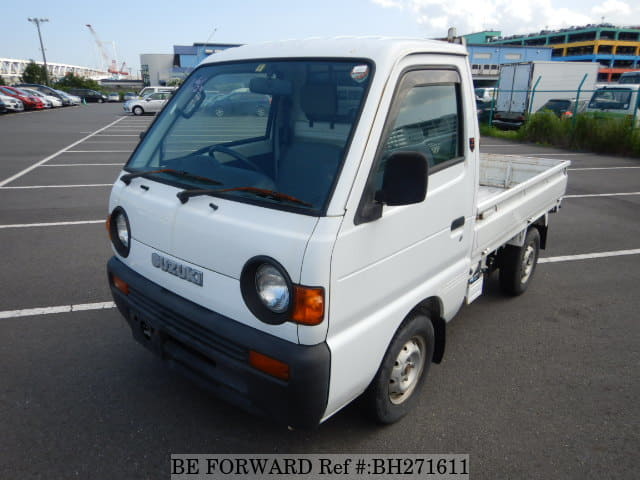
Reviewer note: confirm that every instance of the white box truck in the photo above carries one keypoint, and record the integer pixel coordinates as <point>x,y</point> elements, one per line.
<point>294,261</point>
<point>525,87</point>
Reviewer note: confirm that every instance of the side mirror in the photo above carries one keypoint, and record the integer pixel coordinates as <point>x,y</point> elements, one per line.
<point>404,182</point>
<point>405,179</point>
<point>142,134</point>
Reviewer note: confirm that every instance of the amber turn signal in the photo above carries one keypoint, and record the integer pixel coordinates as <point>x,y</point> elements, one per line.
<point>269,365</point>
<point>308,305</point>
<point>121,285</point>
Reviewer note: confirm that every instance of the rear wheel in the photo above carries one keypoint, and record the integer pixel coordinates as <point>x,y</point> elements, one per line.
<point>219,112</point>
<point>518,264</point>
<point>395,388</point>
<point>137,110</point>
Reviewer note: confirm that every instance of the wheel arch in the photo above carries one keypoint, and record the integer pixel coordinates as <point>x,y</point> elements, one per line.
<point>432,308</point>
<point>542,226</point>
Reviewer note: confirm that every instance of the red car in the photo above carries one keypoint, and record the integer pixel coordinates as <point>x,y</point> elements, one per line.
<point>30,102</point>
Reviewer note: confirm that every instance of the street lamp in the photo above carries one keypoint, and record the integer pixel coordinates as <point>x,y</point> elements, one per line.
<point>38,21</point>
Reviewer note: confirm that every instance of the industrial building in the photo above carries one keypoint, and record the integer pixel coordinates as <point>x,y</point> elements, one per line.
<point>159,68</point>
<point>616,49</point>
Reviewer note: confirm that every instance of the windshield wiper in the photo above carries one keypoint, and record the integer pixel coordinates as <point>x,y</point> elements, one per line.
<point>185,195</point>
<point>129,176</point>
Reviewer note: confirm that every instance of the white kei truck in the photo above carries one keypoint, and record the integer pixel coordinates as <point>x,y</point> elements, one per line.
<point>295,260</point>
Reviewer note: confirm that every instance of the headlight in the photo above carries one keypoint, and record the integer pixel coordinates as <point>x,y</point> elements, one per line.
<point>267,290</point>
<point>272,288</point>
<point>120,231</point>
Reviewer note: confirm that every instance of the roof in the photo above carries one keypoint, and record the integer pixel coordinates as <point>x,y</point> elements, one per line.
<point>381,50</point>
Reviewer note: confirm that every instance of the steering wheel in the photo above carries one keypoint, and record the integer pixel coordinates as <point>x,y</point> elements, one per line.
<point>234,154</point>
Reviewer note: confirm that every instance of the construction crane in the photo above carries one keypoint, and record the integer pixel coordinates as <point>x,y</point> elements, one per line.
<point>106,61</point>
<point>111,64</point>
<point>122,70</point>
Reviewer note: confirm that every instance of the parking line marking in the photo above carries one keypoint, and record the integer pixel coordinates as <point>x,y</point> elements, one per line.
<point>602,195</point>
<point>33,187</point>
<point>98,151</point>
<point>51,224</point>
<point>81,307</point>
<point>588,256</point>
<point>50,157</point>
<point>82,164</point>
<point>602,168</point>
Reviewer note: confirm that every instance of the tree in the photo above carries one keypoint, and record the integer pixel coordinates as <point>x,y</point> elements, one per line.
<point>71,80</point>
<point>2,81</point>
<point>175,82</point>
<point>34,73</point>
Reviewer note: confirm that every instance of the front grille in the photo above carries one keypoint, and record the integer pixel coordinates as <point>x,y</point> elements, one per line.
<point>186,330</point>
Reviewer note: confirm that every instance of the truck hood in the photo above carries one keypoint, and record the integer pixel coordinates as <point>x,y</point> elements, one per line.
<point>216,234</point>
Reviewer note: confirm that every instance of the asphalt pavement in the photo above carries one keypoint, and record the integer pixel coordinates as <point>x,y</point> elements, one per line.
<point>545,385</point>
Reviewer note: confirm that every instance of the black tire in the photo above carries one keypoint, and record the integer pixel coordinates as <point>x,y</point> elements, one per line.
<point>518,264</point>
<point>386,398</point>
<point>219,112</point>
<point>100,100</point>
<point>137,110</point>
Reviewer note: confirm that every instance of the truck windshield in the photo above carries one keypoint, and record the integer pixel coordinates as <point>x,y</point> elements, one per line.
<point>613,99</point>
<point>280,126</point>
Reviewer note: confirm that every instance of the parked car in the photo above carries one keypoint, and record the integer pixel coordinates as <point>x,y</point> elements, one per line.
<point>30,102</point>
<point>12,104</point>
<point>48,99</point>
<point>88,95</point>
<point>3,109</point>
<point>616,102</point>
<point>483,109</point>
<point>485,94</point>
<point>147,90</point>
<point>324,265</point>
<point>113,97</point>
<point>150,104</point>
<point>45,90</point>
<point>564,107</point>
<point>71,99</point>
<point>240,102</point>
<point>630,78</point>
<point>130,96</point>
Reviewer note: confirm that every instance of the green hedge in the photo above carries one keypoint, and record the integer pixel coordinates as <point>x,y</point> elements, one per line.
<point>588,133</point>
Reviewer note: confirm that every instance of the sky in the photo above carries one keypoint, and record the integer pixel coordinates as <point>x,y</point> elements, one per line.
<point>154,27</point>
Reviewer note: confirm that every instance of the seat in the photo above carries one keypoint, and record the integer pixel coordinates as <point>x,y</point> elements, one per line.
<point>307,169</point>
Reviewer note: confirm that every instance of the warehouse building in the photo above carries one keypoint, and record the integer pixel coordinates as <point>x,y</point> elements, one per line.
<point>616,49</point>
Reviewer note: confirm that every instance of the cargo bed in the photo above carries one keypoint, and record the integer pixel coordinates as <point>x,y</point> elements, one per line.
<point>514,191</point>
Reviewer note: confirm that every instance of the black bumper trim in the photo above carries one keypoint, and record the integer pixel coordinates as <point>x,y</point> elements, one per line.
<point>213,350</point>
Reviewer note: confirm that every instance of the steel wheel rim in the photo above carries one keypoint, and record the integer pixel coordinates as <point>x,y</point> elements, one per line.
<point>528,261</point>
<point>407,370</point>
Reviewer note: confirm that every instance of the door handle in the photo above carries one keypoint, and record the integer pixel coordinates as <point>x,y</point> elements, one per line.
<point>457,223</point>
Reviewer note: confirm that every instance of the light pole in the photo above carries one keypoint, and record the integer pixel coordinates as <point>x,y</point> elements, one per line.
<point>38,21</point>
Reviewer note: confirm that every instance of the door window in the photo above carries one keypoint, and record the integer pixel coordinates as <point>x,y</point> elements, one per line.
<point>426,117</point>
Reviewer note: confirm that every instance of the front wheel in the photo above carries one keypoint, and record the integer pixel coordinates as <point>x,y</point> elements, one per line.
<point>100,100</point>
<point>395,388</point>
<point>518,264</point>
<point>219,112</point>
<point>137,111</point>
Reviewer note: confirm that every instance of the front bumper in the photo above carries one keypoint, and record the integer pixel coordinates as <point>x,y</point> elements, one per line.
<point>213,351</point>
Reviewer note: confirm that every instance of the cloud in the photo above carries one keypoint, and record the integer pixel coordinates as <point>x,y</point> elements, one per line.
<point>511,17</point>
<point>612,11</point>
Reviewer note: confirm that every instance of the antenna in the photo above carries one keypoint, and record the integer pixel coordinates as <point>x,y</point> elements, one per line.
<point>211,35</point>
